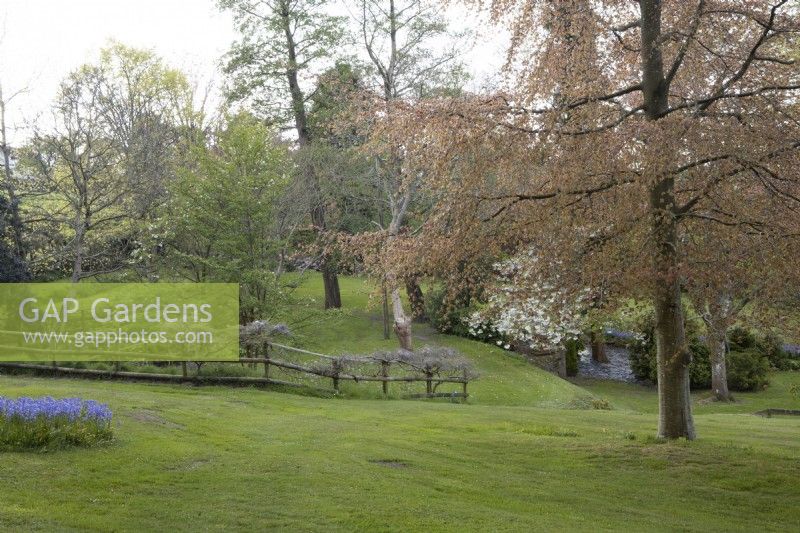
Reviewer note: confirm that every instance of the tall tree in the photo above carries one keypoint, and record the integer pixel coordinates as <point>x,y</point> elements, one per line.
<point>223,214</point>
<point>283,43</point>
<point>744,277</point>
<point>76,174</point>
<point>11,209</point>
<point>399,38</point>
<point>143,104</point>
<point>629,128</point>
<point>117,125</point>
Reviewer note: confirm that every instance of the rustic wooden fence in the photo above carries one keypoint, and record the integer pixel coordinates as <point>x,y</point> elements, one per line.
<point>335,368</point>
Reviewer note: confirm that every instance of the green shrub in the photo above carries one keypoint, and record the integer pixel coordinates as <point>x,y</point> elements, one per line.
<point>747,370</point>
<point>644,366</point>
<point>767,345</point>
<point>601,404</point>
<point>449,317</point>
<point>740,339</point>
<point>700,369</point>
<point>771,346</point>
<point>573,348</point>
<point>642,358</point>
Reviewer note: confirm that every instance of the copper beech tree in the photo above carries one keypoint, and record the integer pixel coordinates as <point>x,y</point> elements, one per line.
<point>400,38</point>
<point>626,134</point>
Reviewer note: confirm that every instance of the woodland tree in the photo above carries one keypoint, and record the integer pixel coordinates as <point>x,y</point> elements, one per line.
<point>11,208</point>
<point>283,42</point>
<point>77,178</point>
<point>627,131</point>
<point>745,278</point>
<point>224,214</point>
<point>398,37</point>
<point>104,168</point>
<point>144,104</point>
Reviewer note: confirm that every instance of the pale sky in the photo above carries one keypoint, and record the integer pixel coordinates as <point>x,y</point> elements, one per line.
<point>43,40</point>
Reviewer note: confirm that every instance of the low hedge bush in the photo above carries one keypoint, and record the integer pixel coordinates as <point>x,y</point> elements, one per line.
<point>747,368</point>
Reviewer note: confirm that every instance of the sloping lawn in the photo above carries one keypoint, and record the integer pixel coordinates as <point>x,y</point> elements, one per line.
<point>211,458</point>
<point>505,378</point>
<point>511,458</point>
<point>643,399</point>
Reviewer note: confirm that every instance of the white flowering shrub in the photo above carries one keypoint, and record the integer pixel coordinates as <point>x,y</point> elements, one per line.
<point>527,306</point>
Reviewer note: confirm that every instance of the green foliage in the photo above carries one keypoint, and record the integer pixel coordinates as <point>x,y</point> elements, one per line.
<point>700,368</point>
<point>771,346</point>
<point>747,367</point>
<point>330,104</point>
<point>747,370</point>
<point>13,268</point>
<point>644,365</point>
<point>96,177</point>
<point>642,358</point>
<point>767,345</point>
<point>747,363</point>
<point>448,317</point>
<point>740,338</point>
<point>257,63</point>
<point>224,214</point>
<point>573,348</point>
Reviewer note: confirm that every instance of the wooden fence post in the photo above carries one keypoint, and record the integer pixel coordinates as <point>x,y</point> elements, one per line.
<point>184,369</point>
<point>335,376</point>
<point>428,383</point>
<point>385,373</point>
<point>266,361</point>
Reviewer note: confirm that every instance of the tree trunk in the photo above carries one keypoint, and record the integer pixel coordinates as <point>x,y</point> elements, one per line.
<point>674,402</point>
<point>333,297</point>
<point>402,322</point>
<point>719,373</point>
<point>330,280</point>
<point>13,201</point>
<point>717,318</point>
<point>598,346</point>
<point>673,355</point>
<point>385,302</point>
<point>77,262</point>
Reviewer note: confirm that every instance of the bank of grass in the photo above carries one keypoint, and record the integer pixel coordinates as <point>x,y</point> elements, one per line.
<point>504,378</point>
<point>644,399</point>
<point>512,458</point>
<point>213,458</point>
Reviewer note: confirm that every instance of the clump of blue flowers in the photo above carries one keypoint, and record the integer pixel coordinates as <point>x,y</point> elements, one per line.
<point>46,423</point>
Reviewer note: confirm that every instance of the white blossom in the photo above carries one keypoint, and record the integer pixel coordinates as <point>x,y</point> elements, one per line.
<point>524,308</point>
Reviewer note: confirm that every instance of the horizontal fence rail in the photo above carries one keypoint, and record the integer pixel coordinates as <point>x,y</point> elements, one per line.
<point>334,369</point>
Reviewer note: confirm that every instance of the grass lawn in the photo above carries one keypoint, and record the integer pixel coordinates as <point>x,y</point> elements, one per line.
<point>214,458</point>
<point>513,458</point>
<point>643,399</point>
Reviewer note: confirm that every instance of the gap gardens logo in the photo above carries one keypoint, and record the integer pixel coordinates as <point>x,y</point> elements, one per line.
<point>118,321</point>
